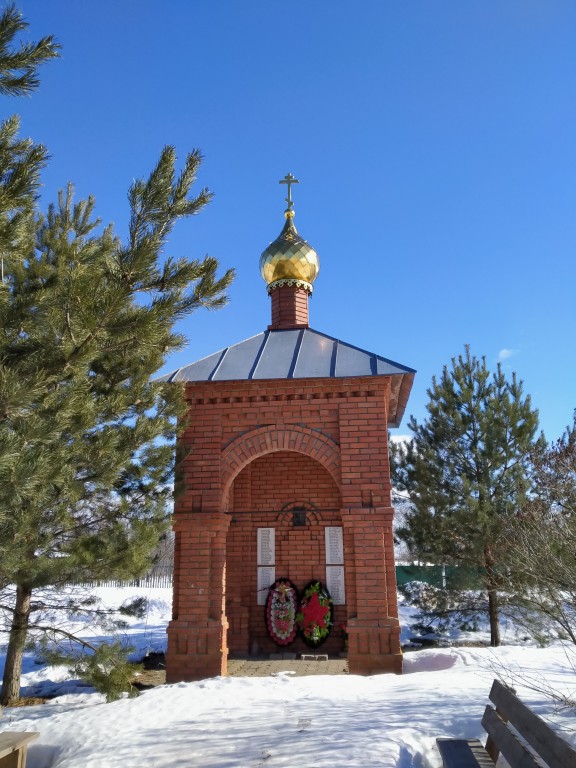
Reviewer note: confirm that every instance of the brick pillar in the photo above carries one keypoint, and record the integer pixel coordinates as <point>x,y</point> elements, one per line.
<point>197,641</point>
<point>289,307</point>
<point>373,626</point>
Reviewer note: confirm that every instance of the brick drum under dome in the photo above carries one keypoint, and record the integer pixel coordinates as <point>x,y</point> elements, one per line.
<point>284,472</point>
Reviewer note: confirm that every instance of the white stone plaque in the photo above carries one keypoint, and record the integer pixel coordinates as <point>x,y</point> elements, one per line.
<point>334,546</point>
<point>266,546</point>
<point>335,583</point>
<point>266,577</point>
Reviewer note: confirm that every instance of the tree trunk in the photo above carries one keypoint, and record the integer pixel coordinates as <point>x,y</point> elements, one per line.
<point>493,602</point>
<point>16,643</point>
<point>494,615</point>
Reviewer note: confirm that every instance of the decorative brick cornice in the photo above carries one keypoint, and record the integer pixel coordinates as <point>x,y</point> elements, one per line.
<point>283,397</point>
<point>291,283</point>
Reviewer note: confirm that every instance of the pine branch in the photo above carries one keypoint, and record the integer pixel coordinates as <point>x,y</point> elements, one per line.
<point>18,67</point>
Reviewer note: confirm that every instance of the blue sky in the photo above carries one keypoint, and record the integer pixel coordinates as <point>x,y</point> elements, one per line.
<point>434,140</point>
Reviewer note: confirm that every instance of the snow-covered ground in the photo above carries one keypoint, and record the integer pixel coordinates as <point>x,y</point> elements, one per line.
<point>300,722</point>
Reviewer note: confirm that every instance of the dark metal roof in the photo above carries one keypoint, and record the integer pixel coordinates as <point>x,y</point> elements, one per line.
<point>297,354</point>
<point>288,354</point>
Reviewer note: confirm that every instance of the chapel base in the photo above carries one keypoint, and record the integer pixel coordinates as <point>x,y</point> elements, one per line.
<point>195,652</point>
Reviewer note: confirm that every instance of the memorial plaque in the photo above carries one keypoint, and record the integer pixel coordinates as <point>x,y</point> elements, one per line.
<point>334,546</point>
<point>335,583</point>
<point>266,577</point>
<point>266,546</point>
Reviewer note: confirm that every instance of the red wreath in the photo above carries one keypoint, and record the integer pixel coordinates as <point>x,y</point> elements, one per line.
<point>316,614</point>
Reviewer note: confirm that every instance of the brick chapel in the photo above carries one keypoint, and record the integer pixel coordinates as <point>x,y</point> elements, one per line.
<point>284,472</point>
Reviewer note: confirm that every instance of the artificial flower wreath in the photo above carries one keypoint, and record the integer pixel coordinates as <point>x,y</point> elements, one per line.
<point>281,606</point>
<point>315,615</point>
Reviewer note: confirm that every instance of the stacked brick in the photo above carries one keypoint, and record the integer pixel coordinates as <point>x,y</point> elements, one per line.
<point>252,450</point>
<point>289,307</point>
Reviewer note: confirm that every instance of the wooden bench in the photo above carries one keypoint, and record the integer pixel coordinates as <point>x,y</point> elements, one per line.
<point>536,740</point>
<point>13,746</point>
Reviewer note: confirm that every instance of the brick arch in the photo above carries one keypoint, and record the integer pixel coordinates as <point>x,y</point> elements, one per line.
<point>258,442</point>
<point>313,517</point>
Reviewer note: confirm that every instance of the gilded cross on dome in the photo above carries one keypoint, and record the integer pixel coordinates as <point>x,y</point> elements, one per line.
<point>289,261</point>
<point>289,180</point>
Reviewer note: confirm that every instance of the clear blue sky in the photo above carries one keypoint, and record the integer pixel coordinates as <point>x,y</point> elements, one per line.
<point>435,143</point>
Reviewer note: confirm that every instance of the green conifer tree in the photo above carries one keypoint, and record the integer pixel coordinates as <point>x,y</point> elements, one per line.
<point>86,434</point>
<point>466,472</point>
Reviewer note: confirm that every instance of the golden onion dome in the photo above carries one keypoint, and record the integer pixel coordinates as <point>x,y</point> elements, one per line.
<point>289,260</point>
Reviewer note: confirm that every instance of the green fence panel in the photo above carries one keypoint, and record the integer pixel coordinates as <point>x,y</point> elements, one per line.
<point>451,576</point>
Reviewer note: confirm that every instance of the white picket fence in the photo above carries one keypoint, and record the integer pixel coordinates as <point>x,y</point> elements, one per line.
<point>159,576</point>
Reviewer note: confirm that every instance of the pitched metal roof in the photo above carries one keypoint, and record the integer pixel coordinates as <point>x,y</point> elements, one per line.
<point>299,354</point>
<point>288,354</point>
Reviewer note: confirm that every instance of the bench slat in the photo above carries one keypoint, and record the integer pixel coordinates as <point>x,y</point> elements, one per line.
<point>508,744</point>
<point>463,753</point>
<point>11,741</point>
<point>552,748</point>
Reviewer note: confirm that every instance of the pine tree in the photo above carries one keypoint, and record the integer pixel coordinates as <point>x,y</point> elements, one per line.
<point>466,472</point>
<point>543,542</point>
<point>86,434</point>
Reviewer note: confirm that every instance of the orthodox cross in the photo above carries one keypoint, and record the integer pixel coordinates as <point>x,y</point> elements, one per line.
<point>289,180</point>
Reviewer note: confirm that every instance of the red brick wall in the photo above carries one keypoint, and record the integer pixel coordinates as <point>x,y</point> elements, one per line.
<point>289,307</point>
<point>270,482</point>
<point>260,492</point>
<point>349,413</point>
<point>251,447</point>
<point>300,556</point>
